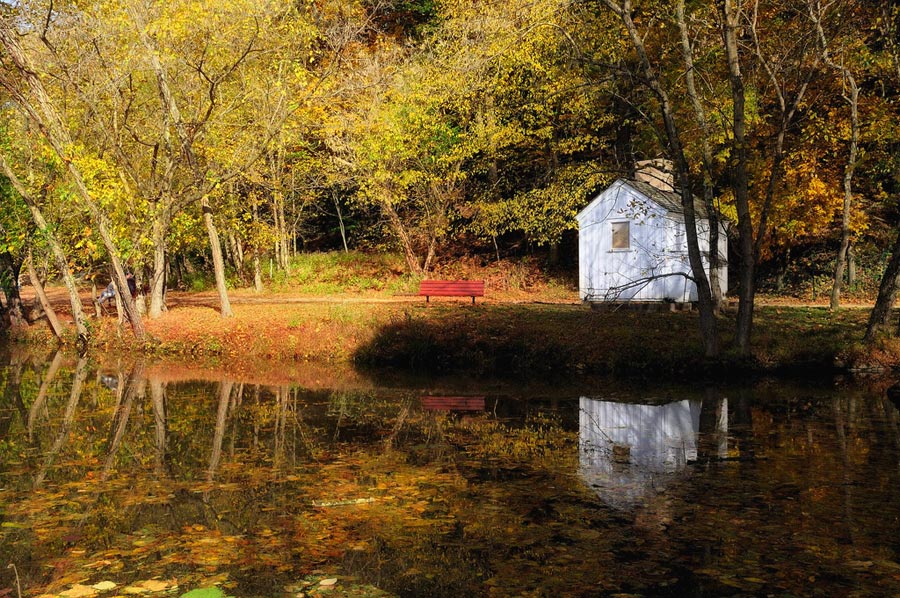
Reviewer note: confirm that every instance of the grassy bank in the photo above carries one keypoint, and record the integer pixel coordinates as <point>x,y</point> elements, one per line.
<point>533,339</point>
<point>362,310</point>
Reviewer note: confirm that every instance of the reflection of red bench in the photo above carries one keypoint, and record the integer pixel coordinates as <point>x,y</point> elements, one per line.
<point>451,288</point>
<point>453,403</point>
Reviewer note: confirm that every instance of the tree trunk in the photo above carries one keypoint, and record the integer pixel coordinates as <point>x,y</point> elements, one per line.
<point>181,128</point>
<point>708,323</point>
<point>708,191</point>
<point>257,266</point>
<point>14,310</point>
<point>218,261</point>
<point>879,317</point>
<point>841,259</point>
<point>337,207</point>
<point>55,326</point>
<point>740,181</point>
<point>158,282</point>
<point>257,273</point>
<point>412,260</point>
<point>849,83</point>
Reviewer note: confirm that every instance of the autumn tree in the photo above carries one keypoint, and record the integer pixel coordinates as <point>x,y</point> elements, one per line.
<point>22,81</point>
<point>674,145</point>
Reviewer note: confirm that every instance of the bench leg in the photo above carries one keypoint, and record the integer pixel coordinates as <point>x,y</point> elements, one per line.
<point>473,299</point>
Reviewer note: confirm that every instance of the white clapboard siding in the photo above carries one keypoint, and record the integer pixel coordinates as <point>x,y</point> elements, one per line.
<point>657,246</point>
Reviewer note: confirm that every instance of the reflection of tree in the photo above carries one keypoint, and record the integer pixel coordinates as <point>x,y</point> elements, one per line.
<point>842,422</point>
<point>40,400</point>
<point>713,442</point>
<point>12,396</point>
<point>78,379</point>
<point>892,418</point>
<point>282,400</point>
<point>225,388</point>
<point>125,395</point>
<point>742,425</point>
<point>158,398</point>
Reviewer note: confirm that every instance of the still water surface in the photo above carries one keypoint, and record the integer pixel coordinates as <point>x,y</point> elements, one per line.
<point>163,483</point>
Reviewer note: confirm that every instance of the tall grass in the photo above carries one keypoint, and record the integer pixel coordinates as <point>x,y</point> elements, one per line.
<point>339,272</point>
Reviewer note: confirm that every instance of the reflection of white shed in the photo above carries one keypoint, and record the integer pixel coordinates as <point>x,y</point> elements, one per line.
<point>629,452</point>
<point>632,246</point>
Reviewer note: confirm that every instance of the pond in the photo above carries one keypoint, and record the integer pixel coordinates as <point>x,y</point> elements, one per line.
<point>149,479</point>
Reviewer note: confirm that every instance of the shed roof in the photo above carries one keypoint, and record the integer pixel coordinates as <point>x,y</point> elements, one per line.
<point>669,200</point>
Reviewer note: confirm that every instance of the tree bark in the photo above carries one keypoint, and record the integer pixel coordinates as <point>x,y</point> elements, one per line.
<point>740,180</point>
<point>708,191</point>
<point>879,317</point>
<point>59,255</point>
<point>708,323</point>
<point>55,326</point>
<point>158,282</point>
<point>218,261</point>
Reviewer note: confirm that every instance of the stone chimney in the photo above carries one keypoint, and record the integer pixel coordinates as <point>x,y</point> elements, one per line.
<point>656,173</point>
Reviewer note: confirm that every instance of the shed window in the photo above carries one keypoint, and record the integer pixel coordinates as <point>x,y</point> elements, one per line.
<point>621,235</point>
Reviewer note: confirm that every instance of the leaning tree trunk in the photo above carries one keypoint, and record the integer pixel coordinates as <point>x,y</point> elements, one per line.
<point>412,260</point>
<point>879,317</point>
<point>55,326</point>
<point>59,255</point>
<point>708,323</point>
<point>215,247</point>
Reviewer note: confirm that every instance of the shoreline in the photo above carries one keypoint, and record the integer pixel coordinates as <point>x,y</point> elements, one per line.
<point>493,338</point>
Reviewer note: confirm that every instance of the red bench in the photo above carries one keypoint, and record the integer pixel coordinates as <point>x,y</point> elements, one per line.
<point>451,288</point>
<point>432,403</point>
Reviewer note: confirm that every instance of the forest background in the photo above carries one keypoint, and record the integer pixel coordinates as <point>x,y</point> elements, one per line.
<point>193,142</point>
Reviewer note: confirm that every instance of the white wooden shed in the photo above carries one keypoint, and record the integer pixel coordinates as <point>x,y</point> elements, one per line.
<point>632,245</point>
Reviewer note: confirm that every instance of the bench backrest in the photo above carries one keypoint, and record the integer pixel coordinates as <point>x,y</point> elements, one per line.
<point>452,288</point>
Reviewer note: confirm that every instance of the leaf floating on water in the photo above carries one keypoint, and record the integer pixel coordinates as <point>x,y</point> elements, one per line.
<point>79,591</point>
<point>155,585</point>
<point>104,585</point>
<point>145,587</point>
